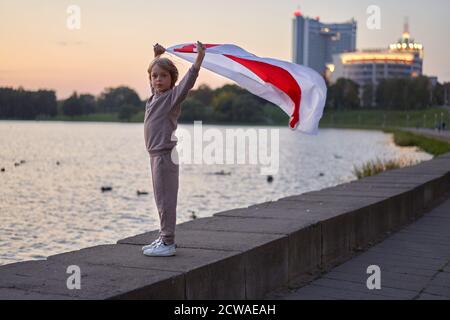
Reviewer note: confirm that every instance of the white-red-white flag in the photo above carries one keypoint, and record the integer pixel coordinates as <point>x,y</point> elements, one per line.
<point>297,90</point>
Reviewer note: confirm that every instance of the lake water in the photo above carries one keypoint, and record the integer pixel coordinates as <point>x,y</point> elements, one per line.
<point>46,208</point>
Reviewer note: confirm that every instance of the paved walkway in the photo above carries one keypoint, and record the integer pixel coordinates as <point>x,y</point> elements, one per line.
<point>414,264</point>
<point>443,135</point>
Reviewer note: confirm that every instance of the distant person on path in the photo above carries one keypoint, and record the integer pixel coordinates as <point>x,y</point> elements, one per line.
<point>161,114</point>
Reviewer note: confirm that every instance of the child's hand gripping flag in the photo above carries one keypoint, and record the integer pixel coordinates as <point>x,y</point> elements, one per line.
<point>297,90</point>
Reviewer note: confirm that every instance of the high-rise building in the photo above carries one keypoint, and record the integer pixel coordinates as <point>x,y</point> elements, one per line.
<point>314,42</point>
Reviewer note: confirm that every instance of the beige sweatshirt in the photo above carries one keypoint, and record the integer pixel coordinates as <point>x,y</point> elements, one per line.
<point>162,112</point>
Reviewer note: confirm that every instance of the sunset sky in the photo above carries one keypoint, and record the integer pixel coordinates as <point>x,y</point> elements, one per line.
<point>114,44</point>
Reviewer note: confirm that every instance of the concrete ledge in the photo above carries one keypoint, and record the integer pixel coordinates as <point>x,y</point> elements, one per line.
<point>243,253</point>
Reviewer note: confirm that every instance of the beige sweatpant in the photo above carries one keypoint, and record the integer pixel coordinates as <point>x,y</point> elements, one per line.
<point>165,174</point>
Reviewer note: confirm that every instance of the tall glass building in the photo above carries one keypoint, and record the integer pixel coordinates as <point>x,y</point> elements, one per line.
<point>314,42</point>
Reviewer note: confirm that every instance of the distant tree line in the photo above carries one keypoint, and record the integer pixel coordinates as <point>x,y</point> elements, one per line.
<point>28,105</point>
<point>400,94</point>
<point>121,100</point>
<point>228,104</point>
<point>22,104</point>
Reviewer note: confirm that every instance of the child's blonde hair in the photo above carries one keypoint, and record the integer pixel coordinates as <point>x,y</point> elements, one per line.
<point>167,65</point>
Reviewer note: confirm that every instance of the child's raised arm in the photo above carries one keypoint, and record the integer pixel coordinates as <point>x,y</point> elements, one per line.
<point>200,54</point>
<point>180,91</point>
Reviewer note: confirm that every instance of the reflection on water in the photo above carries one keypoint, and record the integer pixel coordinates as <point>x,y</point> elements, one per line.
<point>48,208</point>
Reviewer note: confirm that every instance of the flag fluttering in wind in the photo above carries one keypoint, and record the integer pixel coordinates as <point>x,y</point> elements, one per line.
<point>297,90</point>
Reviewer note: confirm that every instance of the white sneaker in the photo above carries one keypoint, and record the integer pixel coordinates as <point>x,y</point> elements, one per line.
<point>161,250</point>
<point>151,245</point>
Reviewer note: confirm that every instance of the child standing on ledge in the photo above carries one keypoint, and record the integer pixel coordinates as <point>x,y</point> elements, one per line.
<point>161,114</point>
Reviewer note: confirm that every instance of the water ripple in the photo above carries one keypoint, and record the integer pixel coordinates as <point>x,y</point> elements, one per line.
<point>47,208</point>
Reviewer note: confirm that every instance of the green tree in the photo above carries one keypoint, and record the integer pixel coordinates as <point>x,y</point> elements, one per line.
<point>247,109</point>
<point>367,96</point>
<point>88,103</point>
<point>223,106</point>
<point>112,99</point>
<point>203,94</point>
<point>23,104</point>
<point>126,112</point>
<point>72,106</point>
<point>344,94</point>
<point>193,110</point>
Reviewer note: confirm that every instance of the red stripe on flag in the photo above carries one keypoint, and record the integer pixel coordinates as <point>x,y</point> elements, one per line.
<point>191,47</point>
<point>280,78</point>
